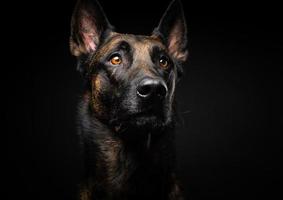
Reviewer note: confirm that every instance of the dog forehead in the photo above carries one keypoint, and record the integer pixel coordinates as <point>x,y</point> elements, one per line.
<point>139,42</point>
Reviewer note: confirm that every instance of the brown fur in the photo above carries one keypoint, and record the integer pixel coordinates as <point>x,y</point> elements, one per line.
<point>127,114</point>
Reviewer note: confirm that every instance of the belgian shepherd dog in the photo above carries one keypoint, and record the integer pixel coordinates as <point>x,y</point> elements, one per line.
<point>127,114</point>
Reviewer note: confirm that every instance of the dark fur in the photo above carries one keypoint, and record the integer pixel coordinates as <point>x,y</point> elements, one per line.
<point>128,142</point>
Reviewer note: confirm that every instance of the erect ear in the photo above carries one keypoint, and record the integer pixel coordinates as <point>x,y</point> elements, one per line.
<point>173,31</point>
<point>88,25</point>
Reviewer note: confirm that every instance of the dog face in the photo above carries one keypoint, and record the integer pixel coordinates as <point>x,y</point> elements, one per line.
<point>131,78</point>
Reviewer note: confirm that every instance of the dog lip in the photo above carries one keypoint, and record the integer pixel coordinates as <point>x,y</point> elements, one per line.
<point>143,112</point>
<point>149,111</point>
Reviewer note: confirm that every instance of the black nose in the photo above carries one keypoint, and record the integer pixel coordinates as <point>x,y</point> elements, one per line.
<point>149,87</point>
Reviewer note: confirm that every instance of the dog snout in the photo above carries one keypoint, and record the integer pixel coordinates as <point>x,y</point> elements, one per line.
<point>152,88</point>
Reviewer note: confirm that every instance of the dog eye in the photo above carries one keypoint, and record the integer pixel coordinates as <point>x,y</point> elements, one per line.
<point>163,61</point>
<point>116,59</point>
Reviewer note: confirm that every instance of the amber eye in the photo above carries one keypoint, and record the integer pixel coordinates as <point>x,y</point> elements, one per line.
<point>163,62</point>
<point>116,59</point>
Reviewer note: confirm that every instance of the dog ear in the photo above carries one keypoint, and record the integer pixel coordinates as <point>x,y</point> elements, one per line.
<point>88,25</point>
<point>173,31</point>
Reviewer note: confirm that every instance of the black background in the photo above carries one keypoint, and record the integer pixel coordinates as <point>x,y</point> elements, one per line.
<point>229,140</point>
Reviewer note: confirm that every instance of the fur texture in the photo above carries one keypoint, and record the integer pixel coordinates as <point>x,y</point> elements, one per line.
<point>126,115</point>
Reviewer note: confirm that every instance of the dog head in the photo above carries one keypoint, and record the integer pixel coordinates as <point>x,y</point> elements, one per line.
<point>131,78</point>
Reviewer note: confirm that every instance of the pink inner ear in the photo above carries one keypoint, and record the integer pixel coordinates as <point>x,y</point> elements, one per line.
<point>175,40</point>
<point>89,32</point>
<point>89,41</point>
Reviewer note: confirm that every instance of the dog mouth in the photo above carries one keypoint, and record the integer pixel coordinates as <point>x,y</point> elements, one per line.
<point>139,123</point>
<point>141,116</point>
<point>155,110</point>
<point>149,117</point>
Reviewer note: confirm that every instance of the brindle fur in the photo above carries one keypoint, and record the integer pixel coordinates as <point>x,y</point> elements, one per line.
<point>128,153</point>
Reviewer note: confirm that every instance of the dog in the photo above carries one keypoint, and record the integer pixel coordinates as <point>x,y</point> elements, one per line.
<point>127,112</point>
